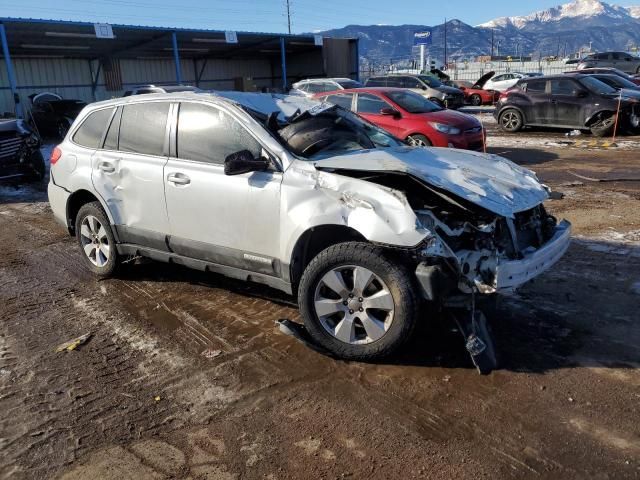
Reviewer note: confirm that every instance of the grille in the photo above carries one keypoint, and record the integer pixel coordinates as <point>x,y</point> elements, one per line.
<point>9,146</point>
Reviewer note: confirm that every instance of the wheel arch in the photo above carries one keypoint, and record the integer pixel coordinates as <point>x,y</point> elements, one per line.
<point>591,119</point>
<point>75,202</point>
<point>313,241</point>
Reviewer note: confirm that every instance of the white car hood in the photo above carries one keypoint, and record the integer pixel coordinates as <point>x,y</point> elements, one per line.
<point>490,181</point>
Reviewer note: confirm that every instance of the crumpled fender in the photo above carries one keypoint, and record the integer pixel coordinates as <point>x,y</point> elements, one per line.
<point>312,198</point>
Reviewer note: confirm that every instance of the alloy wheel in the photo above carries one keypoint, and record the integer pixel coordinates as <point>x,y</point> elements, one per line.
<point>510,120</point>
<point>95,241</point>
<point>354,305</point>
<point>418,142</point>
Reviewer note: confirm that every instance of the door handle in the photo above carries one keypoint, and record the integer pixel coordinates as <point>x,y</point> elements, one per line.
<point>106,167</point>
<point>178,179</point>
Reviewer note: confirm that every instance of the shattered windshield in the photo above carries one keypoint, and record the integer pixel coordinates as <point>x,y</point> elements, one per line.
<point>331,130</point>
<point>412,102</point>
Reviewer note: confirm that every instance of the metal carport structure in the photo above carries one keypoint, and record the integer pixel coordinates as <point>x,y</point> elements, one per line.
<point>69,58</point>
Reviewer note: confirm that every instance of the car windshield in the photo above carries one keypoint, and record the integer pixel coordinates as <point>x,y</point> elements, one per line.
<point>596,85</point>
<point>331,131</point>
<point>412,102</point>
<point>349,84</point>
<point>431,81</point>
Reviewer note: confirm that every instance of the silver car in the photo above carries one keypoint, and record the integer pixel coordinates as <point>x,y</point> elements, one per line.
<point>305,197</point>
<point>311,86</point>
<point>621,60</point>
<point>426,85</point>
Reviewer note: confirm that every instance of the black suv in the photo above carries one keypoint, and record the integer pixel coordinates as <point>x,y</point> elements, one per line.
<point>567,101</point>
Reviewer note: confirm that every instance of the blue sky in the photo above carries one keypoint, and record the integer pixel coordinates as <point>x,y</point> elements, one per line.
<point>269,15</point>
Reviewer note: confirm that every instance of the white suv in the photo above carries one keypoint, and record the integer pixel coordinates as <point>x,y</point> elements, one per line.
<point>311,86</point>
<point>305,197</point>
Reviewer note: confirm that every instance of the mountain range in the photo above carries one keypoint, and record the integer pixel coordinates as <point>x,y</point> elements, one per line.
<point>559,31</point>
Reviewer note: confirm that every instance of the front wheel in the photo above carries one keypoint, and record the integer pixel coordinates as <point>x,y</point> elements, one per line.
<point>356,303</point>
<point>417,140</point>
<point>603,126</point>
<point>510,120</point>
<point>96,240</point>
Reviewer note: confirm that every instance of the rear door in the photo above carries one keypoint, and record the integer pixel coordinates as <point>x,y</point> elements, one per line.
<point>127,172</point>
<point>227,220</point>
<point>369,107</point>
<point>566,105</point>
<point>539,109</point>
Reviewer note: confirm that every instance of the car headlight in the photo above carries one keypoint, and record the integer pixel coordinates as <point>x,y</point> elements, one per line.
<point>442,128</point>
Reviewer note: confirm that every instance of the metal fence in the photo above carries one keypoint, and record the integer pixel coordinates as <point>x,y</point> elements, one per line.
<point>472,71</point>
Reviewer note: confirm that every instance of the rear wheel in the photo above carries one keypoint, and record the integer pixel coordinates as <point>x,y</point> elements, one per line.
<point>356,303</point>
<point>476,100</point>
<point>418,140</point>
<point>604,125</point>
<point>510,120</point>
<point>96,240</point>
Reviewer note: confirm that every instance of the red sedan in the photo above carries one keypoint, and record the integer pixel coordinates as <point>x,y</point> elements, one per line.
<point>476,96</point>
<point>411,117</point>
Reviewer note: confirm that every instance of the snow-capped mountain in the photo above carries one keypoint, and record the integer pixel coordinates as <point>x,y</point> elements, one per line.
<point>562,31</point>
<point>593,12</point>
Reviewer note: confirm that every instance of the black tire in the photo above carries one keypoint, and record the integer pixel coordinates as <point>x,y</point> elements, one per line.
<point>94,209</point>
<point>37,168</point>
<point>510,120</point>
<point>396,277</point>
<point>418,140</point>
<point>604,126</point>
<point>475,100</point>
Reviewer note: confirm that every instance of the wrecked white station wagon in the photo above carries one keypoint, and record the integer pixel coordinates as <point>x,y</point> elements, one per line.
<point>307,198</point>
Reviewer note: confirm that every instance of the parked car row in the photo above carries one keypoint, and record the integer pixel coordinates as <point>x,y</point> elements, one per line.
<point>311,199</point>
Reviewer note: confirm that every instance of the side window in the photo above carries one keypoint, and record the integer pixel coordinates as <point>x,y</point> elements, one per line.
<point>602,56</point>
<point>394,82</point>
<point>315,87</point>
<point>92,129</point>
<point>207,134</point>
<point>111,140</point>
<point>329,87</point>
<point>343,100</point>
<point>562,87</point>
<point>536,86</point>
<point>410,82</point>
<point>376,82</point>
<point>499,78</point>
<point>142,128</point>
<point>303,87</point>
<point>370,103</point>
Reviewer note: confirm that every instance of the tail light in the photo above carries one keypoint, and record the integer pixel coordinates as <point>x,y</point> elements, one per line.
<point>56,153</point>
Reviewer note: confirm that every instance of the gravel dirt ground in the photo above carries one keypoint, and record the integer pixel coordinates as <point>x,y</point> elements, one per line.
<point>186,376</point>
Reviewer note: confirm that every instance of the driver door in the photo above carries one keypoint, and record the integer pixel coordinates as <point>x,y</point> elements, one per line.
<point>227,220</point>
<point>368,106</point>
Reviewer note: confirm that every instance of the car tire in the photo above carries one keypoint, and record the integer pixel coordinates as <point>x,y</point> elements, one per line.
<point>344,322</point>
<point>418,140</point>
<point>475,100</point>
<point>510,120</point>
<point>96,240</point>
<point>604,126</point>
<point>37,168</point>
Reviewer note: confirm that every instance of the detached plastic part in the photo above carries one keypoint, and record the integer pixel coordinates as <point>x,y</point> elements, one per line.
<point>478,340</point>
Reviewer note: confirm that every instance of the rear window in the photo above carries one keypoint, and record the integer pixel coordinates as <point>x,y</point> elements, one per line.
<point>92,129</point>
<point>142,128</point>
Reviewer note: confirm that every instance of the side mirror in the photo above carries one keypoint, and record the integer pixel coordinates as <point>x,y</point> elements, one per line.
<point>243,162</point>
<point>423,87</point>
<point>390,111</point>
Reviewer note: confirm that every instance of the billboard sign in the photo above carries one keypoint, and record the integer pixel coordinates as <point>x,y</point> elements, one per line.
<point>422,38</point>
